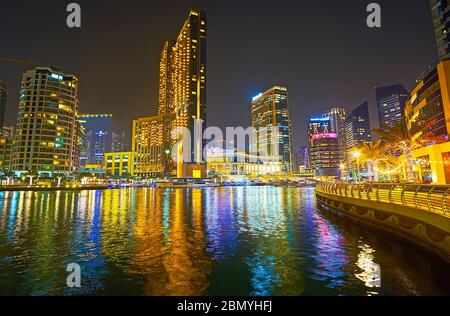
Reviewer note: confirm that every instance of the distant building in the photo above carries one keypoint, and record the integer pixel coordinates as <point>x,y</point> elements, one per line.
<point>391,101</point>
<point>325,159</point>
<point>270,113</point>
<point>119,164</point>
<point>3,98</point>
<point>6,148</point>
<point>357,132</point>
<point>440,10</point>
<point>148,147</point>
<point>97,136</point>
<point>118,142</point>
<point>45,137</point>
<point>303,160</point>
<point>337,118</point>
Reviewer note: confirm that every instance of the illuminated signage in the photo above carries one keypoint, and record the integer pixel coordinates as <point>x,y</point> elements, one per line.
<point>324,136</point>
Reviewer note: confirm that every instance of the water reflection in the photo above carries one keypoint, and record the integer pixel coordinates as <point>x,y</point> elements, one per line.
<point>218,241</point>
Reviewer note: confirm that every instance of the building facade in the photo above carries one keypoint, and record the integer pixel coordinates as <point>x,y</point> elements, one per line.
<point>182,91</point>
<point>45,137</point>
<point>429,106</point>
<point>325,159</point>
<point>440,10</point>
<point>391,101</point>
<point>148,147</point>
<point>3,99</point>
<point>271,120</point>
<point>318,125</point>
<point>119,164</point>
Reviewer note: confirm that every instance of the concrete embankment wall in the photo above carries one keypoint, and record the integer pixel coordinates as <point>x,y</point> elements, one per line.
<point>430,230</point>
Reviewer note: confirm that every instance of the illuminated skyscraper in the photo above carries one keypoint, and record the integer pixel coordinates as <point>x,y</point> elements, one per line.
<point>270,114</point>
<point>3,97</point>
<point>391,102</point>
<point>45,138</point>
<point>440,10</point>
<point>182,88</point>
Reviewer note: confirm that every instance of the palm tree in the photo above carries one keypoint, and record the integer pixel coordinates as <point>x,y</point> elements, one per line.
<point>407,137</point>
<point>373,154</point>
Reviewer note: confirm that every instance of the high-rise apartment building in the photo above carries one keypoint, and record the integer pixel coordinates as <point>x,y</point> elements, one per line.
<point>271,120</point>
<point>3,97</point>
<point>391,101</point>
<point>182,91</point>
<point>440,10</point>
<point>45,138</point>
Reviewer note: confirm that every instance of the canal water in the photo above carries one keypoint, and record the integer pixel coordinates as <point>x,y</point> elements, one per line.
<point>212,241</point>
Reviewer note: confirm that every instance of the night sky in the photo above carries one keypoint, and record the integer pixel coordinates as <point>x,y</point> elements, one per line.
<point>321,50</point>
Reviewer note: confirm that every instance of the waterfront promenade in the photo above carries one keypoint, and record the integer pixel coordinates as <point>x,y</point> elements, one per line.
<point>418,213</point>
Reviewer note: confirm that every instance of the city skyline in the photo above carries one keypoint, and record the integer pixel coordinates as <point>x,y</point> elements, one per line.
<point>303,102</point>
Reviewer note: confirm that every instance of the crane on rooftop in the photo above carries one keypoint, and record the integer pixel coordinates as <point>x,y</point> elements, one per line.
<point>16,61</point>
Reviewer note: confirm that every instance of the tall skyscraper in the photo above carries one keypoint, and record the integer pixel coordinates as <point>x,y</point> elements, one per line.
<point>440,10</point>
<point>318,125</point>
<point>182,88</point>
<point>391,101</point>
<point>357,132</point>
<point>3,97</point>
<point>45,138</point>
<point>270,113</point>
<point>337,118</point>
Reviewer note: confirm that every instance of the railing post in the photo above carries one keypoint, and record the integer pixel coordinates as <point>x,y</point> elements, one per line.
<point>369,188</point>
<point>378,192</point>
<point>416,204</point>
<point>402,196</point>
<point>444,202</point>
<point>430,203</point>
<point>390,194</point>
<point>352,191</point>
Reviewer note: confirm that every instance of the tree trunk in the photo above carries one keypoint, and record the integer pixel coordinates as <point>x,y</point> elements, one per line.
<point>375,172</point>
<point>409,163</point>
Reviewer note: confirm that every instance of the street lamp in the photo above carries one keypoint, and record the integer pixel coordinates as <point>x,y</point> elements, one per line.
<point>357,154</point>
